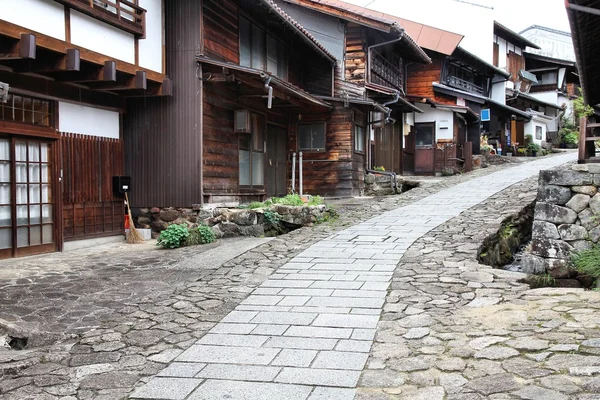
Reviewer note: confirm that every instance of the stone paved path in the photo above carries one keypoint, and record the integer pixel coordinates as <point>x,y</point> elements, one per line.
<point>307,331</point>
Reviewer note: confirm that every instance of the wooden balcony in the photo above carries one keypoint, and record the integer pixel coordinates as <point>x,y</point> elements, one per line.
<point>467,86</point>
<point>123,14</point>
<point>384,73</point>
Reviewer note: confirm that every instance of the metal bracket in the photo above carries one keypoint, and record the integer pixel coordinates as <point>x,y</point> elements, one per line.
<point>3,92</point>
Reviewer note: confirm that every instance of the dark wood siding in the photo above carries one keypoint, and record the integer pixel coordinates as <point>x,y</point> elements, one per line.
<point>220,30</point>
<point>356,54</point>
<point>421,77</point>
<point>89,206</point>
<point>515,63</point>
<point>162,135</point>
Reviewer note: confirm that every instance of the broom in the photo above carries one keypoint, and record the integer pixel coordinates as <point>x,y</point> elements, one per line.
<point>134,236</point>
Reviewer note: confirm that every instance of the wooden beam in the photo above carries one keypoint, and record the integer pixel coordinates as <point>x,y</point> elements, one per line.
<point>51,63</point>
<point>136,82</point>
<point>60,46</point>
<point>105,73</point>
<point>24,48</point>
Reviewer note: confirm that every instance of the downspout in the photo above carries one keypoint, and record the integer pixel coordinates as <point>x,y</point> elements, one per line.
<point>269,88</point>
<point>201,122</point>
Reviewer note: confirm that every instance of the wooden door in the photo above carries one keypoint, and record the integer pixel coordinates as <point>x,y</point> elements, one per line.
<point>408,153</point>
<point>425,148</point>
<point>276,168</point>
<point>27,201</point>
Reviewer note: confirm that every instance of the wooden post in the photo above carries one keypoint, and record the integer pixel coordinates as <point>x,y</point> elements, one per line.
<point>582,141</point>
<point>468,154</point>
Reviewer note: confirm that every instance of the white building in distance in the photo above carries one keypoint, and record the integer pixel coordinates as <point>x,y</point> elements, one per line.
<point>554,43</point>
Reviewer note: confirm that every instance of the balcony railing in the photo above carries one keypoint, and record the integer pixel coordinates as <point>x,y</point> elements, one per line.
<point>385,73</point>
<point>464,85</point>
<point>123,14</point>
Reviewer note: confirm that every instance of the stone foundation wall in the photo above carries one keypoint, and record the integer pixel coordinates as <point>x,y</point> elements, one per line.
<point>383,185</point>
<point>228,222</point>
<point>567,218</point>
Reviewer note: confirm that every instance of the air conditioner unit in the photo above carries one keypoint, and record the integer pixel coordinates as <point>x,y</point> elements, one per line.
<point>241,122</point>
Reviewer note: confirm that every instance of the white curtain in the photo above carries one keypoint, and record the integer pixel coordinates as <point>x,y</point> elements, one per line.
<point>5,211</point>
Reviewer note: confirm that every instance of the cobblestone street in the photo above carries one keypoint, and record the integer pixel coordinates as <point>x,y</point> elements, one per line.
<point>393,307</point>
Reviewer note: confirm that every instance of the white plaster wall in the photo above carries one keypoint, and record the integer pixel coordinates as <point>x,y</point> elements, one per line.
<point>502,52</point>
<point>499,92</point>
<point>548,97</point>
<point>151,47</point>
<point>530,130</point>
<point>74,118</point>
<point>43,16</point>
<point>102,38</point>
<point>431,114</point>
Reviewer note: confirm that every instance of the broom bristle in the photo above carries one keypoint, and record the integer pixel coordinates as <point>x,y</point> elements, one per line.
<point>134,236</point>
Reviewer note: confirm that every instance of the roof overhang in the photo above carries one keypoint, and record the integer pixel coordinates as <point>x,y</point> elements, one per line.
<point>369,104</point>
<point>478,63</point>
<point>584,18</point>
<point>512,36</point>
<point>464,110</point>
<point>401,103</point>
<point>516,95</point>
<point>30,53</point>
<point>365,17</point>
<point>257,78</point>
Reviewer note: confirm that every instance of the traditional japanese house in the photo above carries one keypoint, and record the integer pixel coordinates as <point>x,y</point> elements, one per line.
<point>248,77</point>
<point>452,92</point>
<point>372,51</point>
<point>66,68</point>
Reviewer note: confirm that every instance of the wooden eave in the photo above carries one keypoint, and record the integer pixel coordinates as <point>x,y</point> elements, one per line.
<point>26,51</point>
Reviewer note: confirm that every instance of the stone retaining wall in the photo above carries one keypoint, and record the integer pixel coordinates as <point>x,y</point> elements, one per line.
<point>229,222</point>
<point>567,218</point>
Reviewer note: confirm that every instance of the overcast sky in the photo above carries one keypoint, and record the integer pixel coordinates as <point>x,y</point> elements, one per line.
<point>515,14</point>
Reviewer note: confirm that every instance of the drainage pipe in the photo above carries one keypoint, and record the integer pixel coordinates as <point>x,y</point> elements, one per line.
<point>300,173</point>
<point>392,174</point>
<point>294,172</point>
<point>270,90</point>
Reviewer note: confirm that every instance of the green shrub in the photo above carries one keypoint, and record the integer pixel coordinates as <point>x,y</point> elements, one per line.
<point>587,262</point>
<point>541,281</point>
<point>534,148</point>
<point>200,235</point>
<point>289,200</point>
<point>174,236</point>
<point>315,201</point>
<point>256,204</point>
<point>272,217</point>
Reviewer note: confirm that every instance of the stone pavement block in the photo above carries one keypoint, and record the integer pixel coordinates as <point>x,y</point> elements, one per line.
<point>281,309</point>
<point>321,377</point>
<point>239,372</point>
<point>257,300</point>
<point>365,311</point>
<point>228,355</point>
<point>363,334</point>
<point>336,285</point>
<point>240,329</point>
<point>346,302</point>
<point>234,390</point>
<point>373,278</point>
<point>239,316</point>
<point>289,342</point>
<point>375,286</point>
<point>270,330</point>
<point>359,293</point>
<point>325,309</point>
<point>325,393</point>
<point>222,339</point>
<point>317,332</point>
<point>296,266</point>
<point>295,358</point>
<point>182,370</point>
<point>342,267</point>
<point>346,321</point>
<point>284,318</point>
<point>309,275</point>
<point>360,346</point>
<point>281,283</point>
<point>294,301</point>
<point>307,292</point>
<point>340,360</point>
<point>267,290</point>
<point>167,388</point>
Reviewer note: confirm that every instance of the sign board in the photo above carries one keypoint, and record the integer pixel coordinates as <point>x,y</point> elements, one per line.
<point>485,114</point>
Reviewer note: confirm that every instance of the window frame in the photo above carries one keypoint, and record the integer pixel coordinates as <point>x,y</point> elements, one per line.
<point>281,49</point>
<point>541,131</point>
<point>253,151</point>
<point>356,142</point>
<point>312,149</point>
<point>423,124</point>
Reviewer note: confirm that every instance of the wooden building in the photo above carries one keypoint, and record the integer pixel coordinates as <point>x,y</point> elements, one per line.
<point>68,66</point>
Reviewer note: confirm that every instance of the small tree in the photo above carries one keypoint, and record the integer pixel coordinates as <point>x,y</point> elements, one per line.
<point>580,108</point>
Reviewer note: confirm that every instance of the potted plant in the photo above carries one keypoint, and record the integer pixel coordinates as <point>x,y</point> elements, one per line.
<point>533,149</point>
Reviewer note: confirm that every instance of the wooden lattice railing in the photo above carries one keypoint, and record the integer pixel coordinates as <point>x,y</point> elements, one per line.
<point>123,14</point>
